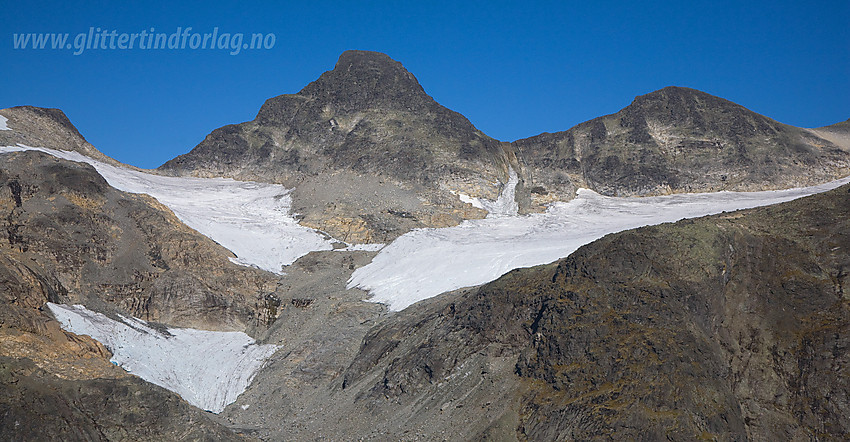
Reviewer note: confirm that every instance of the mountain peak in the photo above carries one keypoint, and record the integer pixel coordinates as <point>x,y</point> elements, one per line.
<point>365,79</point>
<point>696,110</point>
<point>53,114</point>
<point>680,94</point>
<point>360,81</point>
<point>358,59</point>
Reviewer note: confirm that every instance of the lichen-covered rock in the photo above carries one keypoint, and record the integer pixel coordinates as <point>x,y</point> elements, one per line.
<point>36,405</point>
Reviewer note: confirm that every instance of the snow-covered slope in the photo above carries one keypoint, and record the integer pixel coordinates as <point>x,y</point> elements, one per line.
<point>424,263</point>
<point>250,219</point>
<point>208,369</point>
<point>3,125</point>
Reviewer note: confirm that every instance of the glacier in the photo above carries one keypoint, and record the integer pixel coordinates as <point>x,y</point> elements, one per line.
<point>426,262</point>
<point>208,369</point>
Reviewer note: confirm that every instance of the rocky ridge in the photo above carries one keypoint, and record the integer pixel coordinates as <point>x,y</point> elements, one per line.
<point>57,385</point>
<point>108,248</point>
<point>71,238</point>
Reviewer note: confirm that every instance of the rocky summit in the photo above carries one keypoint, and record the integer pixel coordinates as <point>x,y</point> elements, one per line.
<point>682,140</point>
<point>732,326</point>
<point>369,153</point>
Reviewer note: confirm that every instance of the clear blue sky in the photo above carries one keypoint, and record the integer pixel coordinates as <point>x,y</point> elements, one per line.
<point>514,69</point>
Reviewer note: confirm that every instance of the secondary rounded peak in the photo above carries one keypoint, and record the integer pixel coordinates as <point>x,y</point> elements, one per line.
<point>46,114</point>
<point>46,127</point>
<point>671,93</point>
<point>681,104</point>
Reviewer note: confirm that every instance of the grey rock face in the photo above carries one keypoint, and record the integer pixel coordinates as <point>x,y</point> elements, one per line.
<point>368,114</point>
<point>369,119</point>
<point>681,140</point>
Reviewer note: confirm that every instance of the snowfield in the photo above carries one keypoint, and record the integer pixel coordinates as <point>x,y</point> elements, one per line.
<point>208,369</point>
<point>426,262</point>
<point>250,219</point>
<point>3,121</point>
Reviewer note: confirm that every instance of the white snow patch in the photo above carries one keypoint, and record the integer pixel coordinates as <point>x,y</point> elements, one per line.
<point>362,247</point>
<point>3,125</point>
<point>426,262</point>
<point>250,219</point>
<point>505,204</point>
<point>470,200</point>
<point>208,369</point>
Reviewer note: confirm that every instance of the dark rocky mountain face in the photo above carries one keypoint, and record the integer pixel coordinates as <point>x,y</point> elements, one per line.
<point>368,114</point>
<point>673,331</point>
<point>681,140</point>
<point>367,120</point>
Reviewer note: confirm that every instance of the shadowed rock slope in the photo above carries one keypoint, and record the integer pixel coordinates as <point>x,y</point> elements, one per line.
<point>681,140</point>
<point>734,327</point>
<point>370,153</point>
